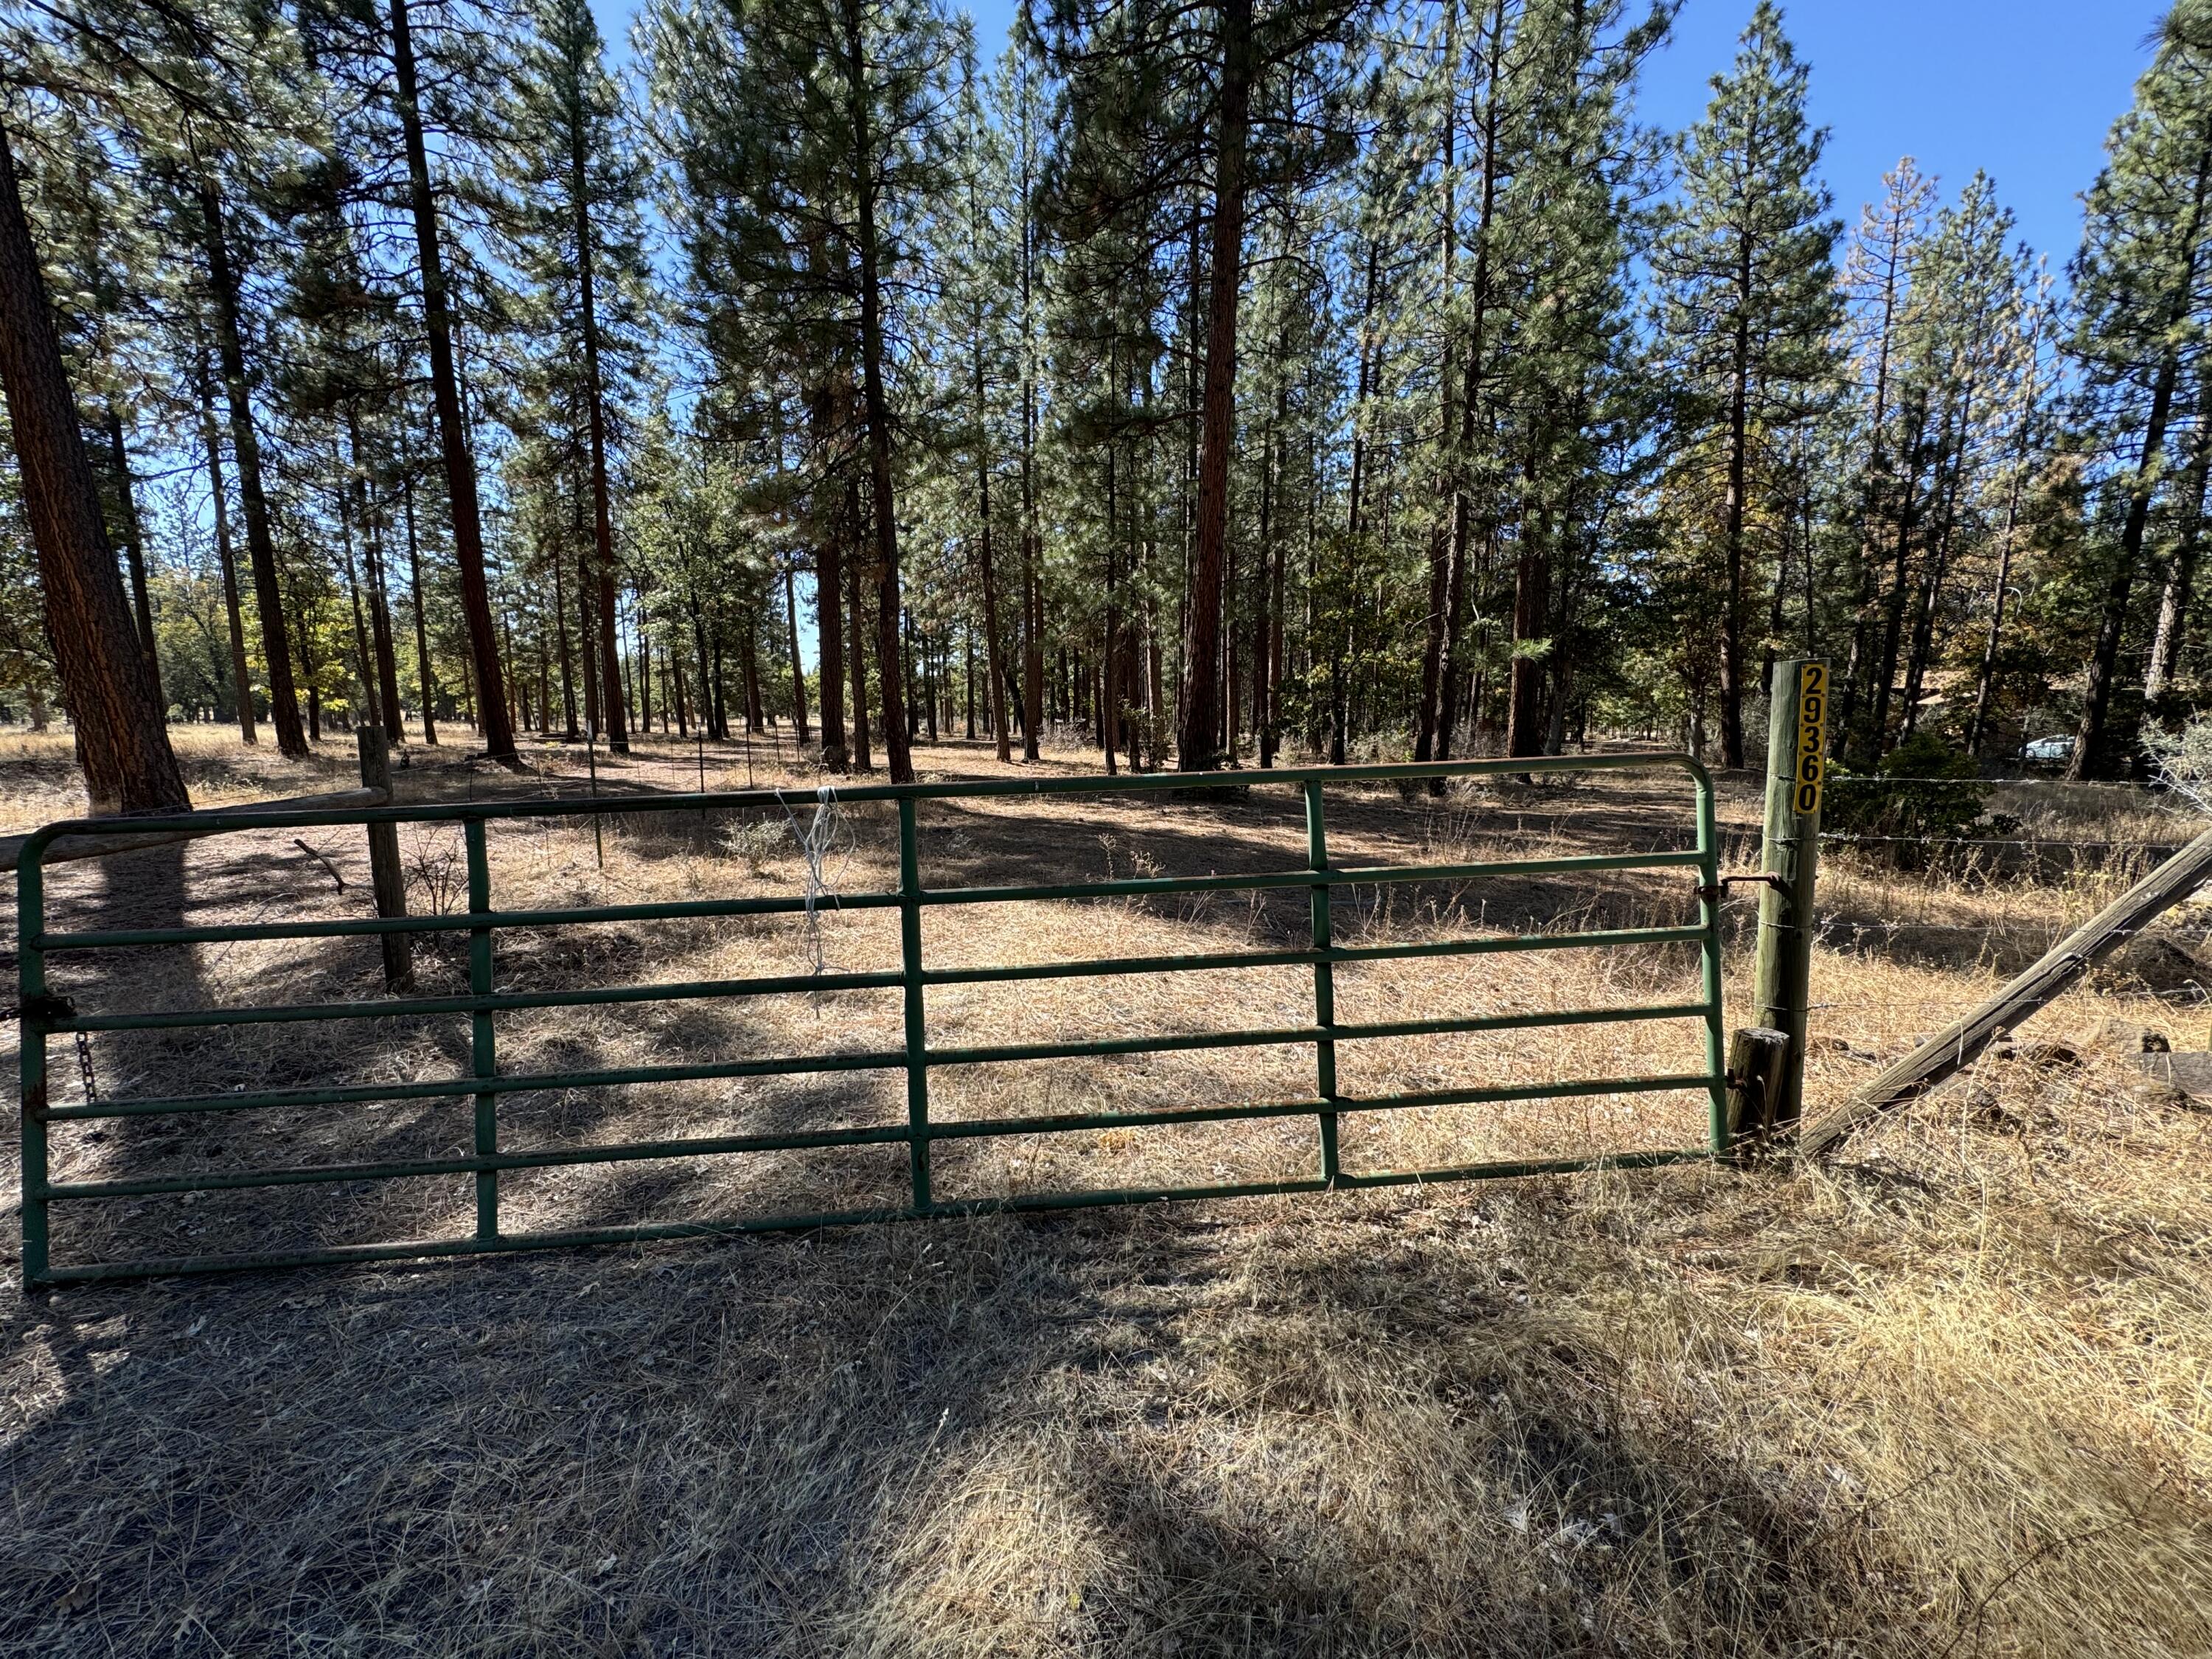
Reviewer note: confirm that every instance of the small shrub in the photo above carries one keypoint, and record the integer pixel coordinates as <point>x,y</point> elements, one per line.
<point>1922,792</point>
<point>2183,760</point>
<point>756,842</point>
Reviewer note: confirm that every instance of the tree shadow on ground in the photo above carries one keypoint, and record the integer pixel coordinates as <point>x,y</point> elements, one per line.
<point>1277,1431</point>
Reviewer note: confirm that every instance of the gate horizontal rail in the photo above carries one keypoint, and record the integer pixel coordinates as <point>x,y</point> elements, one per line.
<point>43,1015</point>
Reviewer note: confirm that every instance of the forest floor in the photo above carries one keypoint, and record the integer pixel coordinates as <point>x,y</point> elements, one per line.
<point>1951,1395</point>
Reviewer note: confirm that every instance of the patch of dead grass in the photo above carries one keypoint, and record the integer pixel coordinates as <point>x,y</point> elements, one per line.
<point>1949,1399</point>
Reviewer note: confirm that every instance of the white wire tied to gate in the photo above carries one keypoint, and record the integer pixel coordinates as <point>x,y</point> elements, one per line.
<point>815,842</point>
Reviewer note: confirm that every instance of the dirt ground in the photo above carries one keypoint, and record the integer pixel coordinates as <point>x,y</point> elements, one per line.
<point>1948,1397</point>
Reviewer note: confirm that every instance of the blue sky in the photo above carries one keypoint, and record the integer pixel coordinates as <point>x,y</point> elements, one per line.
<point>2023,88</point>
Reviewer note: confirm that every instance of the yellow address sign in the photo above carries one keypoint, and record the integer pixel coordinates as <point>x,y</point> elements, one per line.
<point>1812,735</point>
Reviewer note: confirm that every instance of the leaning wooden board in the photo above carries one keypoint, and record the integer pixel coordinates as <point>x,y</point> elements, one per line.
<point>1957,1046</point>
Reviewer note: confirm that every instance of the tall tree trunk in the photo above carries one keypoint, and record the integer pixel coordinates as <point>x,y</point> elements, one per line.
<point>1439,550</point>
<point>1032,579</point>
<point>1930,595</point>
<point>861,760</point>
<point>830,649</point>
<point>123,737</point>
<point>1877,465</point>
<point>492,715</point>
<point>986,574</point>
<point>874,400</point>
<point>225,554</point>
<point>134,546</point>
<point>379,602</point>
<point>245,444</point>
<point>364,663</point>
<point>612,700</point>
<point>799,733</point>
<point>1893,623</point>
<point>1463,536</point>
<point>830,526</point>
<point>749,670</point>
<point>1977,727</point>
<point>587,652</point>
<point>424,679</point>
<point>1532,600</point>
<point>2181,570</point>
<point>1732,514</point>
<point>1201,691</point>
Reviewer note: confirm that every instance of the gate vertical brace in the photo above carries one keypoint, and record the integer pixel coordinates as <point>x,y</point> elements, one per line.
<point>484,1053</point>
<point>1324,980</point>
<point>30,924</point>
<point>917,1024</point>
<point>1790,849</point>
<point>1709,917</point>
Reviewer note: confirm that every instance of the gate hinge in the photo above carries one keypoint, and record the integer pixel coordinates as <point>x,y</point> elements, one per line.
<point>1715,893</point>
<point>47,1007</point>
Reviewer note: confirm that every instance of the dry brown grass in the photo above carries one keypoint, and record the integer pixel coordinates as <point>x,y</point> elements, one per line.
<point>1951,1398</point>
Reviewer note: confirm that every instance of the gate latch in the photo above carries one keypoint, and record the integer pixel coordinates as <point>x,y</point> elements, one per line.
<point>1714,894</point>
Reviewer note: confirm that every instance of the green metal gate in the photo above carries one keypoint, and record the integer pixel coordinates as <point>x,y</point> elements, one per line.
<point>43,1015</point>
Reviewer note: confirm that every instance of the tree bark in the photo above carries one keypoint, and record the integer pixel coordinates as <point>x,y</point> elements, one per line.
<point>492,716</point>
<point>985,575</point>
<point>861,760</point>
<point>123,739</point>
<point>1201,692</point>
<point>2181,570</point>
<point>1532,600</point>
<point>134,547</point>
<point>799,733</point>
<point>225,556</point>
<point>612,700</point>
<point>245,444</point>
<point>875,401</point>
<point>1733,513</point>
<point>1893,625</point>
<point>424,679</point>
<point>380,601</point>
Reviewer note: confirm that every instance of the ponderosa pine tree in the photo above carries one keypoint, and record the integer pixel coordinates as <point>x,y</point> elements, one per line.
<point>1876,277</point>
<point>808,138</point>
<point>455,442</point>
<point>572,224</point>
<point>1747,307</point>
<point>2140,314</point>
<point>1167,99</point>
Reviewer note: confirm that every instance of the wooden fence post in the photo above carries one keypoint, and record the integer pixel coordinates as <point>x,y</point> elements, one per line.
<point>385,877</point>
<point>1758,1061</point>
<point>1796,736</point>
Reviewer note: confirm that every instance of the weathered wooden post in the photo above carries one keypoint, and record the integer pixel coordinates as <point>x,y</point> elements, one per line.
<point>1796,736</point>
<point>1757,1060</point>
<point>385,877</point>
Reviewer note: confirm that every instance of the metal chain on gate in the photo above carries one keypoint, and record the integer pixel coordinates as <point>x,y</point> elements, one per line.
<point>50,1006</point>
<point>84,1067</point>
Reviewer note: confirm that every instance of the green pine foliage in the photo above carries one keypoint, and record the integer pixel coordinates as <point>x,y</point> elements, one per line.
<point>826,355</point>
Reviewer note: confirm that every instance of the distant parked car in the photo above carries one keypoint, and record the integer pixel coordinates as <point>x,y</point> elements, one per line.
<point>2046,751</point>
